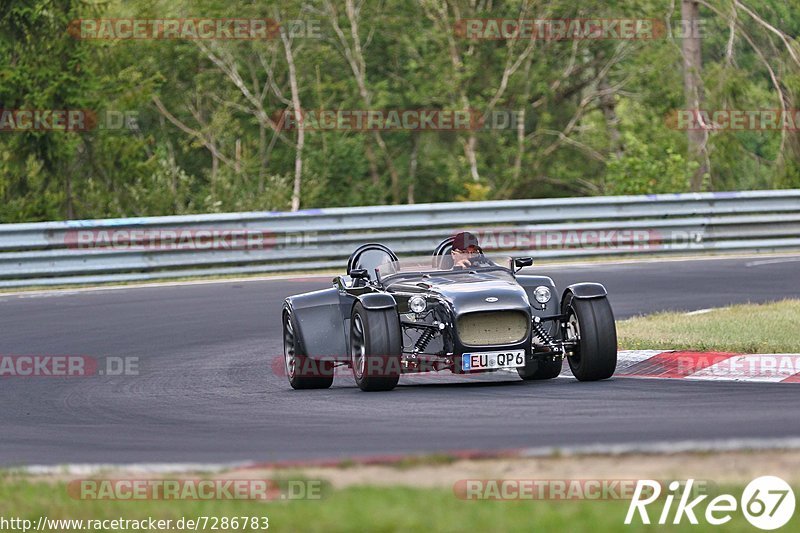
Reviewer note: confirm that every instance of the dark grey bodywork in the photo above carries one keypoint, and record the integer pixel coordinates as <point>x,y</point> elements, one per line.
<point>322,318</point>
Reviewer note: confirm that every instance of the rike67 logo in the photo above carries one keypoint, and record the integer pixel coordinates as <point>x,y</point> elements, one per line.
<point>767,503</point>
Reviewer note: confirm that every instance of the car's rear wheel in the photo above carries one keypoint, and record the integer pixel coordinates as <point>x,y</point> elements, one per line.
<point>590,324</point>
<point>303,372</point>
<point>375,348</point>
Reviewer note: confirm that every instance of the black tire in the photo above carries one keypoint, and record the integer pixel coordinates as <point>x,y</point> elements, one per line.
<point>303,372</point>
<point>375,348</point>
<point>593,321</point>
<point>540,367</point>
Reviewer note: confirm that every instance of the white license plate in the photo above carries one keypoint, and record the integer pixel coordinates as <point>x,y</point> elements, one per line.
<point>492,360</point>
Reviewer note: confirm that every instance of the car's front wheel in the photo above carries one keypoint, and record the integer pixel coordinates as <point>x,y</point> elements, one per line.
<point>590,325</point>
<point>375,348</point>
<point>540,367</point>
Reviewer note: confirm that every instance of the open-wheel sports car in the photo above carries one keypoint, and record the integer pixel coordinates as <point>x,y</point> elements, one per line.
<point>388,316</point>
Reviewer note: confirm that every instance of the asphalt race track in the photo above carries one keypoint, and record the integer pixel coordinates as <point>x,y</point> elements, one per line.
<point>206,392</point>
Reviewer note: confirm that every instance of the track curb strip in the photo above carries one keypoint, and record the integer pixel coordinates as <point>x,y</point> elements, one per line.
<point>707,366</point>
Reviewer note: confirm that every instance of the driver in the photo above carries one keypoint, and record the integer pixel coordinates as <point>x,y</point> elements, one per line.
<point>466,252</point>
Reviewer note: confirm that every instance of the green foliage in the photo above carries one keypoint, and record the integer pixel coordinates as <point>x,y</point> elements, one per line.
<point>594,110</point>
<point>644,170</point>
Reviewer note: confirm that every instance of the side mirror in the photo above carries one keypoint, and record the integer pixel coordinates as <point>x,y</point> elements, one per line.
<point>359,273</point>
<point>521,262</point>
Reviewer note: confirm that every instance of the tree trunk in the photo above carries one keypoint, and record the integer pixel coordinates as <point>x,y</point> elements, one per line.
<point>262,156</point>
<point>517,168</point>
<point>238,156</point>
<point>412,166</point>
<point>69,208</point>
<point>373,164</point>
<point>301,128</point>
<point>214,170</point>
<point>609,107</point>
<point>173,181</point>
<point>693,88</point>
<point>472,158</point>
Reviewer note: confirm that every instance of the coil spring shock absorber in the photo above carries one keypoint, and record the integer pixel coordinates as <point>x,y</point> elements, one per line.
<point>540,332</point>
<point>423,340</point>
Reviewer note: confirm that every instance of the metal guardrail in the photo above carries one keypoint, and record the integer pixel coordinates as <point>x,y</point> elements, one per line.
<point>97,251</point>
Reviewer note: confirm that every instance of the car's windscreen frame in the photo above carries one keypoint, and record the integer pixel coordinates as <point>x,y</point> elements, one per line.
<point>386,279</point>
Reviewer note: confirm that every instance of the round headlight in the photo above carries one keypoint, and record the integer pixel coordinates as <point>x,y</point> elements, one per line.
<point>542,294</point>
<point>417,304</point>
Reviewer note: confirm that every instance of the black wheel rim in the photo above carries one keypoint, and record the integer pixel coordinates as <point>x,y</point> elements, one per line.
<point>289,353</point>
<point>357,349</point>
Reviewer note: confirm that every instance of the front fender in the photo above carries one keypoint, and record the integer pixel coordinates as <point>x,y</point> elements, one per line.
<point>529,283</point>
<point>585,291</point>
<point>318,323</point>
<point>377,300</point>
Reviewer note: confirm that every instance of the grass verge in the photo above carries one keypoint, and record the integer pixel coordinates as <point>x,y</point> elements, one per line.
<point>750,328</point>
<point>352,509</point>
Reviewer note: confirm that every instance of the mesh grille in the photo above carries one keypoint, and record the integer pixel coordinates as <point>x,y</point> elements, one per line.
<point>489,328</point>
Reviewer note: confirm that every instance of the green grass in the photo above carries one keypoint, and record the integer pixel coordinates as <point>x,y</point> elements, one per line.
<point>355,509</point>
<point>409,461</point>
<point>751,328</point>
